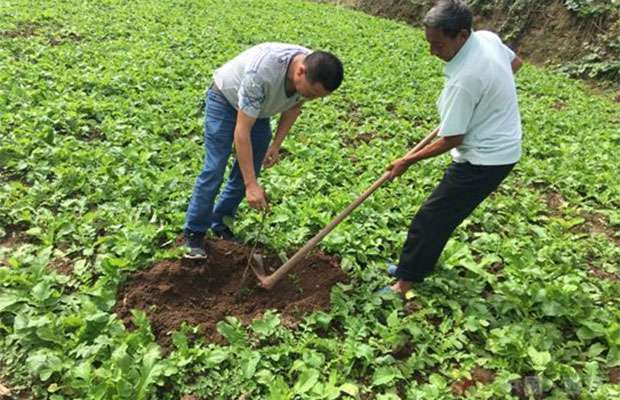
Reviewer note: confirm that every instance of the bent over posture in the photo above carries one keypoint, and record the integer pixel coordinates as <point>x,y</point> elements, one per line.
<point>265,80</point>
<point>480,125</point>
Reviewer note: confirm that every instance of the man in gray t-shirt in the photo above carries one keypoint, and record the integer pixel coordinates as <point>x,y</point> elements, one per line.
<point>265,80</point>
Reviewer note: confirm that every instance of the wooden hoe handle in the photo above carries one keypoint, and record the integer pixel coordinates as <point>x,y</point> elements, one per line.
<point>268,281</point>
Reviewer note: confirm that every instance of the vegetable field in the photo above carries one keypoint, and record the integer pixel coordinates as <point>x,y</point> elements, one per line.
<point>101,113</point>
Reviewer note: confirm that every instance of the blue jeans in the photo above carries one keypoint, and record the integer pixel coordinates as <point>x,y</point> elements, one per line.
<point>220,119</point>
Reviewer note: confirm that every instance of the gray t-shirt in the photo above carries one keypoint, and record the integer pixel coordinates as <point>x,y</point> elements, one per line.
<point>254,81</point>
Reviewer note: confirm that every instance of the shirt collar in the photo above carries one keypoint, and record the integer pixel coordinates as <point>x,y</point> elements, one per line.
<point>453,65</point>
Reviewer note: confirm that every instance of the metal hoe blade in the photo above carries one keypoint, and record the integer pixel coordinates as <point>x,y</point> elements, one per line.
<point>268,281</point>
<point>258,266</point>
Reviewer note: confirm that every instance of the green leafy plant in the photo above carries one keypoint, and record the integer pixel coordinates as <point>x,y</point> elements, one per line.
<point>101,139</point>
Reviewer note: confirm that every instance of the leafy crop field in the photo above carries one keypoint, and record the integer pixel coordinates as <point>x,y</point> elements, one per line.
<point>100,142</point>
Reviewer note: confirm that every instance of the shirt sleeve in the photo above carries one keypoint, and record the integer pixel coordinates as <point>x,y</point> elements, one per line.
<point>511,54</point>
<point>505,49</point>
<point>251,94</point>
<point>456,110</point>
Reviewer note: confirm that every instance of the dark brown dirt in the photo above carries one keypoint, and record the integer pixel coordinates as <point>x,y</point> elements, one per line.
<point>478,374</point>
<point>597,224</point>
<point>92,134</point>
<point>560,105</point>
<point>527,388</point>
<point>204,292</point>
<point>555,201</point>
<point>459,388</point>
<point>9,242</point>
<point>403,352</point>
<point>61,265</point>
<point>599,273</point>
<point>594,224</point>
<point>12,239</point>
<point>64,38</point>
<point>614,376</point>
<point>482,375</point>
<point>23,29</point>
<point>364,137</point>
<point>284,153</point>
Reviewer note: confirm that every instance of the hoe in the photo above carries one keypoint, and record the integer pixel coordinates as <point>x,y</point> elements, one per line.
<point>268,281</point>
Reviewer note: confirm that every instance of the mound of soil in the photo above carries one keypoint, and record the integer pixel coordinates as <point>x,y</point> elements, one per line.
<point>203,292</point>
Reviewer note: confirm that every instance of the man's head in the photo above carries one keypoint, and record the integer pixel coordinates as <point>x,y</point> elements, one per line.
<point>320,74</point>
<point>447,27</point>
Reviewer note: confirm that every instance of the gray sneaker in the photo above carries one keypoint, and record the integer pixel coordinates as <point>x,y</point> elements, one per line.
<point>195,253</point>
<point>195,245</point>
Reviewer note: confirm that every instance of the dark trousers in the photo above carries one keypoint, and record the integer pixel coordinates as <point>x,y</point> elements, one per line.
<point>462,188</point>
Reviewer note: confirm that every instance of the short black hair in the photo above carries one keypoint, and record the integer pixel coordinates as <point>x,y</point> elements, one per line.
<point>451,16</point>
<point>324,68</point>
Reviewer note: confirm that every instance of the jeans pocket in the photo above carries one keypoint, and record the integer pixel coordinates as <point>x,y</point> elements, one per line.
<point>217,107</point>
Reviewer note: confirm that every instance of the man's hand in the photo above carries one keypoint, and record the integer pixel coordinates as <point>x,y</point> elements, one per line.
<point>272,156</point>
<point>256,196</point>
<point>398,167</point>
<point>439,146</point>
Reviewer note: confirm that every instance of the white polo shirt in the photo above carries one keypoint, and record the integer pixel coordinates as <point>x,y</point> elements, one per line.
<point>479,100</point>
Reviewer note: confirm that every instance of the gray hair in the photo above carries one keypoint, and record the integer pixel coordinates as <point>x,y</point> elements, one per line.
<point>451,16</point>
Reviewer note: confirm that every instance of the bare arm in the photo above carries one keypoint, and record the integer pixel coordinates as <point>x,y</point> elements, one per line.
<point>436,148</point>
<point>243,146</point>
<point>287,119</point>
<point>516,64</point>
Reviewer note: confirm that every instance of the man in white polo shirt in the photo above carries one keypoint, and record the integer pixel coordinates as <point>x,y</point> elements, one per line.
<point>265,80</point>
<point>480,125</point>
